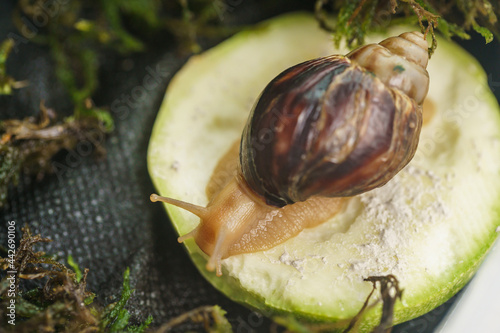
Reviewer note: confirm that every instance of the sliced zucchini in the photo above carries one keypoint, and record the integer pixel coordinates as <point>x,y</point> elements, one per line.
<point>430,226</point>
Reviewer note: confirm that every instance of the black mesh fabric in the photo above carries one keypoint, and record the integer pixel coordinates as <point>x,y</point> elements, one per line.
<point>98,210</point>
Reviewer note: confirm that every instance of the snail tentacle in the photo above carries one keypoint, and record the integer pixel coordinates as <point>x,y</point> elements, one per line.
<point>199,211</point>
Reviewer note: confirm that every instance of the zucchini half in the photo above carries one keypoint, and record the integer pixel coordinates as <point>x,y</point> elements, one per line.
<point>430,226</point>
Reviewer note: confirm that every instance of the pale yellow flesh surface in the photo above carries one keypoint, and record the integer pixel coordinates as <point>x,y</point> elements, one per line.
<point>430,226</point>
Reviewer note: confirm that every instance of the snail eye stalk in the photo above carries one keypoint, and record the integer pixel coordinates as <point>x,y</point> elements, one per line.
<point>199,211</point>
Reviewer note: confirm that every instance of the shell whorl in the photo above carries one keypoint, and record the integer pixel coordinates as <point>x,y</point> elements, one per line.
<point>399,62</point>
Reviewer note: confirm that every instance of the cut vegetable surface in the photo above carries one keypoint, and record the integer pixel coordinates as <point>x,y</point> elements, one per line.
<point>430,226</point>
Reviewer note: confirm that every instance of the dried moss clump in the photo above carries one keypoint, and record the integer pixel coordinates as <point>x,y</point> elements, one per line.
<point>354,19</point>
<point>28,145</point>
<point>63,304</point>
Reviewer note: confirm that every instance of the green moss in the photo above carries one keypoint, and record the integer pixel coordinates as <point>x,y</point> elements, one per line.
<point>58,306</point>
<point>354,19</point>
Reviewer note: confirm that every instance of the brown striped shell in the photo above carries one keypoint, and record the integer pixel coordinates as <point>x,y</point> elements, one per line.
<point>337,126</point>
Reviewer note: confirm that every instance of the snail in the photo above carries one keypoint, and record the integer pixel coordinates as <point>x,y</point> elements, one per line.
<point>321,131</point>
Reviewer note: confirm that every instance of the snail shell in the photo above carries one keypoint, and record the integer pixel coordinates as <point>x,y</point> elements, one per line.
<point>337,126</point>
<point>322,130</point>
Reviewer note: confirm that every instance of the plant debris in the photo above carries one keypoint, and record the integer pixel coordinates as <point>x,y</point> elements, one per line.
<point>115,318</point>
<point>212,317</point>
<point>354,19</point>
<point>389,294</point>
<point>63,304</point>
<point>28,145</point>
<point>7,83</point>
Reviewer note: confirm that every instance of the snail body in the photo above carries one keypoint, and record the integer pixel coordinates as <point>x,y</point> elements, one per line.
<point>321,131</point>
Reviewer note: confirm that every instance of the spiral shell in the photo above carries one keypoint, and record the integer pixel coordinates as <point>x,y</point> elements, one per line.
<point>337,126</point>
